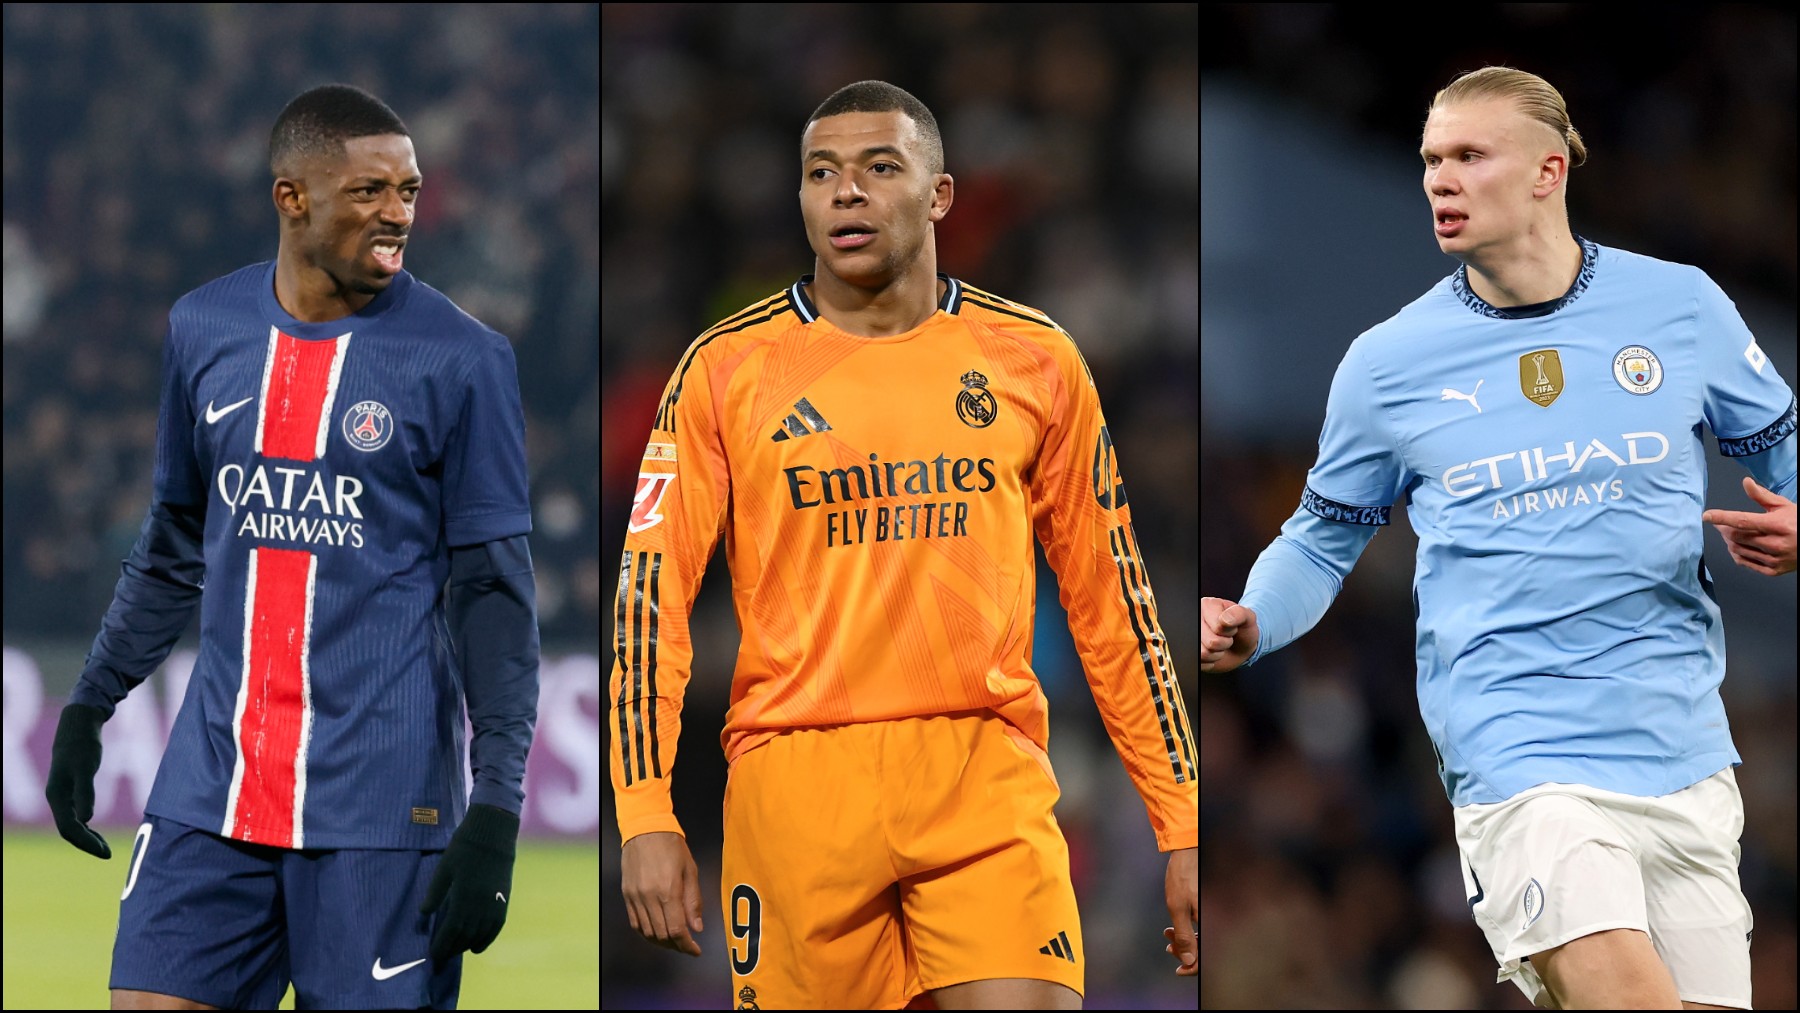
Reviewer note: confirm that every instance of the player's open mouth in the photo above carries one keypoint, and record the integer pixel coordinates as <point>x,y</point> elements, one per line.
<point>1450,223</point>
<point>388,254</point>
<point>851,234</point>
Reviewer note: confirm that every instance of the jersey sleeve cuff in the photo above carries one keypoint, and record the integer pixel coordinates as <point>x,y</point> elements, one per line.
<point>652,824</point>
<point>1763,439</point>
<point>1332,510</point>
<point>487,527</point>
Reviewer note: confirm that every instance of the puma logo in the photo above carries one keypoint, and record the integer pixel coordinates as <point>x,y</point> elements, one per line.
<point>1469,397</point>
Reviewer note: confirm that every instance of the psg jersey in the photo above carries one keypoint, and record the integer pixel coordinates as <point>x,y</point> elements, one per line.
<point>336,463</point>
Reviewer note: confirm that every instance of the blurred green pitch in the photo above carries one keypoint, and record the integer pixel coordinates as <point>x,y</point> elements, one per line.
<point>62,910</point>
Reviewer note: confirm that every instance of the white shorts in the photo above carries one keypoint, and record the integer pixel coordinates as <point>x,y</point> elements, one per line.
<point>1560,861</point>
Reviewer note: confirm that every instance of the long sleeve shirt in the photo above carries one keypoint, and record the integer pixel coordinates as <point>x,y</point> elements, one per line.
<point>878,498</point>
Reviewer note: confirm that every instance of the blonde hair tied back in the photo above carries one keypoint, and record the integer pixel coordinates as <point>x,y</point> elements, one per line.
<point>1534,96</point>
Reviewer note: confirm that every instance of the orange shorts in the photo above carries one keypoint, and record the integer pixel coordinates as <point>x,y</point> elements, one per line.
<point>866,863</point>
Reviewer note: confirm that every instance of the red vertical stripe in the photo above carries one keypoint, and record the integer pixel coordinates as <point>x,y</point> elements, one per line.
<point>269,734</point>
<point>298,382</point>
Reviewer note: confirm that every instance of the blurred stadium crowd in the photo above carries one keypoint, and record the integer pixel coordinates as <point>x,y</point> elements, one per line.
<point>1072,132</point>
<point>136,145</point>
<point>1330,877</point>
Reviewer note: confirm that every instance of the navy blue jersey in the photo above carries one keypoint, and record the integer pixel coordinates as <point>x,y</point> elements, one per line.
<point>336,463</point>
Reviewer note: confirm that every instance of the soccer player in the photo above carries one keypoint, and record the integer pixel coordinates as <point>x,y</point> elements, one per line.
<point>341,491</point>
<point>1540,410</point>
<point>877,443</point>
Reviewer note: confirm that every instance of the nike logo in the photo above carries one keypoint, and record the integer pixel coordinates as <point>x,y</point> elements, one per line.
<point>214,416</point>
<point>1469,397</point>
<point>500,896</point>
<point>384,973</point>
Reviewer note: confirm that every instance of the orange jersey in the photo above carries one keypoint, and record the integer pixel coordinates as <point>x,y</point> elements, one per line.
<point>878,497</point>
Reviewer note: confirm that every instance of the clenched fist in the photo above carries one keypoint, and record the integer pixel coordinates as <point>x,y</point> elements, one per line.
<point>1228,635</point>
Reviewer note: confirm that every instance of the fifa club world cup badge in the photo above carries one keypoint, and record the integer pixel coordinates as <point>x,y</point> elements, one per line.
<point>1637,369</point>
<point>975,405</point>
<point>367,425</point>
<point>1541,376</point>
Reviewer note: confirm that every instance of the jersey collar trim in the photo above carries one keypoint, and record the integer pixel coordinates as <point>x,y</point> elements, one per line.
<point>951,303</point>
<point>1590,254</point>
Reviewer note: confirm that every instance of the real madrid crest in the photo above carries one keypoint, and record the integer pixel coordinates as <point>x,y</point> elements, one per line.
<point>1637,369</point>
<point>1541,376</point>
<point>975,405</point>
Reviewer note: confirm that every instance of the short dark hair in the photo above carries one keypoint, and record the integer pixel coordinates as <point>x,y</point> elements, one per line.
<point>318,122</point>
<point>881,97</point>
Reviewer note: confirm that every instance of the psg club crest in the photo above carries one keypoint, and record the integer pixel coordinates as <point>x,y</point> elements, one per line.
<point>975,405</point>
<point>1541,376</point>
<point>368,425</point>
<point>1637,369</point>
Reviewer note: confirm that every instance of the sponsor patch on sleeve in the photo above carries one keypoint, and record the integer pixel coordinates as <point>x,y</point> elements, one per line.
<point>646,502</point>
<point>659,452</point>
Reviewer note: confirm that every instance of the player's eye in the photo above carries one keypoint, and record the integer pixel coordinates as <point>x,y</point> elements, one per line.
<point>885,165</point>
<point>815,173</point>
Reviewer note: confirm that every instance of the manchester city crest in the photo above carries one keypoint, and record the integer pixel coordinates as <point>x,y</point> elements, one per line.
<point>976,405</point>
<point>368,425</point>
<point>1637,369</point>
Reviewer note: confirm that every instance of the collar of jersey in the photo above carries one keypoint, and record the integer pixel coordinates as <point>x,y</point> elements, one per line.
<point>386,299</point>
<point>1459,284</point>
<point>951,303</point>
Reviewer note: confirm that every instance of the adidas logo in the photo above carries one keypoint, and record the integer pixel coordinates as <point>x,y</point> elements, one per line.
<point>795,424</point>
<point>1059,947</point>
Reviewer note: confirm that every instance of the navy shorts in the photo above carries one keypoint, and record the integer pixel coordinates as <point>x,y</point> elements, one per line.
<point>231,924</point>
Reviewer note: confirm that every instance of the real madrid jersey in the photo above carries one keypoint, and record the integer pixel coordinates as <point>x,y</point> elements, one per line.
<point>878,498</point>
<point>1552,464</point>
<point>335,464</point>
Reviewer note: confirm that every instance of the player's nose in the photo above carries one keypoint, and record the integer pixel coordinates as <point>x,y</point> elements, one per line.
<point>848,193</point>
<point>396,210</point>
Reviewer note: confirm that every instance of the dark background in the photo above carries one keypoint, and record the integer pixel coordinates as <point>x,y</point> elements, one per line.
<point>1329,869</point>
<point>1072,133</point>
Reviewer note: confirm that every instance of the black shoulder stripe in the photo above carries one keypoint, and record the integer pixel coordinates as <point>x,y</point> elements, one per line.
<point>970,297</point>
<point>748,311</point>
<point>1767,437</point>
<point>985,303</point>
<point>1332,510</point>
<point>665,414</point>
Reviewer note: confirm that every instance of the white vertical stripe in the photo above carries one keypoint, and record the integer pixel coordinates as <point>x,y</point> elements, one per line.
<point>262,401</point>
<point>306,708</point>
<point>243,693</point>
<point>798,298</point>
<point>331,386</point>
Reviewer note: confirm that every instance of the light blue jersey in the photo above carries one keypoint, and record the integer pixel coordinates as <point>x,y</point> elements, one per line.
<point>1551,460</point>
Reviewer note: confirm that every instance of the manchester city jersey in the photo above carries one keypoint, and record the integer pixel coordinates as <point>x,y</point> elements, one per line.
<point>1552,464</point>
<point>335,462</point>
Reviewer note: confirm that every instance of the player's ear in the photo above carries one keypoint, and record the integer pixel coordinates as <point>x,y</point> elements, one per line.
<point>943,194</point>
<point>290,197</point>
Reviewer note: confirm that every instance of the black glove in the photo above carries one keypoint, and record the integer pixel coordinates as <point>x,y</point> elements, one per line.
<point>475,875</point>
<point>74,759</point>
